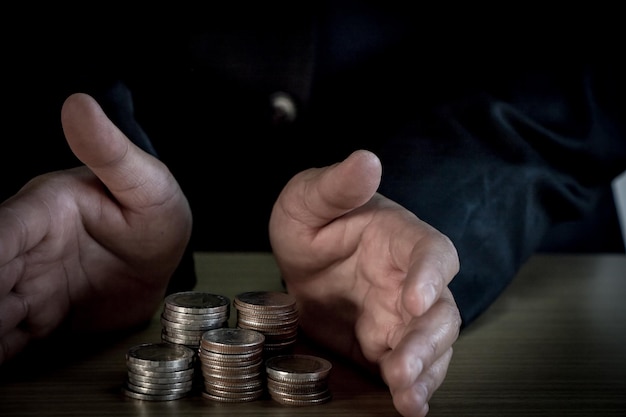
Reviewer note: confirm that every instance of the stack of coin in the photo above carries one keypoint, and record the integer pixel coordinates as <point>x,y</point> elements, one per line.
<point>272,313</point>
<point>298,380</point>
<point>159,371</point>
<point>232,364</point>
<point>187,315</point>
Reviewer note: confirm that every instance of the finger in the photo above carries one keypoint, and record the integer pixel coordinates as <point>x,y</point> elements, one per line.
<point>425,340</point>
<point>23,223</point>
<point>135,178</point>
<point>413,400</point>
<point>12,343</point>
<point>13,310</point>
<point>434,264</point>
<point>317,196</point>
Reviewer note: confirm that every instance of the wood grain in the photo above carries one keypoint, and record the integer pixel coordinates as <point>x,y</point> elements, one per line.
<point>553,344</point>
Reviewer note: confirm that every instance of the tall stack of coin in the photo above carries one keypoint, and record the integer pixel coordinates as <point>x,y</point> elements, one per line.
<point>187,315</point>
<point>272,313</point>
<point>232,364</point>
<point>159,372</point>
<point>298,379</point>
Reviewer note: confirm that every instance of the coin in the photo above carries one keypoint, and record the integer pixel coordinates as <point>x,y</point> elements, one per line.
<point>298,380</point>
<point>255,395</point>
<point>237,387</point>
<point>151,373</point>
<point>187,315</point>
<point>139,379</point>
<point>194,319</point>
<point>226,372</point>
<point>162,389</point>
<point>265,300</point>
<point>197,302</point>
<point>272,313</point>
<point>267,325</point>
<point>304,401</point>
<point>159,371</point>
<point>232,364</point>
<point>299,388</point>
<point>147,397</point>
<point>198,325</point>
<point>233,359</point>
<point>160,355</point>
<point>227,340</point>
<point>296,368</point>
<point>232,394</point>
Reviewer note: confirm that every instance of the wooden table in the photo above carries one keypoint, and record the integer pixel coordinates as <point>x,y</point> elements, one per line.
<point>553,344</point>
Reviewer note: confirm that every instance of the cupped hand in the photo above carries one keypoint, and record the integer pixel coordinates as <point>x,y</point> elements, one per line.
<point>371,279</point>
<point>93,246</point>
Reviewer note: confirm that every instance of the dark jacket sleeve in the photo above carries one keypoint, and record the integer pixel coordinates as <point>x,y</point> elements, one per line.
<point>497,168</point>
<point>492,129</point>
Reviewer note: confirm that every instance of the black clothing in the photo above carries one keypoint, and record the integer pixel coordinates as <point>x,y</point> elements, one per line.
<point>493,132</point>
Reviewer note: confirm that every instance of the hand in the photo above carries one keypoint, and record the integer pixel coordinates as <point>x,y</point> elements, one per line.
<point>94,245</point>
<point>370,278</point>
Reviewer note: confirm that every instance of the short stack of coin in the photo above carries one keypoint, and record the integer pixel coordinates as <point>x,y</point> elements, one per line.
<point>298,380</point>
<point>232,364</point>
<point>187,315</point>
<point>272,313</point>
<point>159,372</point>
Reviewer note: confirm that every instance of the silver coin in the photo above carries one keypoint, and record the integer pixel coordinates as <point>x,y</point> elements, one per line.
<point>228,399</point>
<point>179,317</point>
<point>146,397</point>
<point>296,401</point>
<point>208,358</point>
<point>154,391</point>
<point>267,325</point>
<point>276,331</point>
<point>218,367</point>
<point>268,315</point>
<point>151,373</point>
<point>232,340</point>
<point>247,386</point>
<point>299,388</point>
<point>160,355</point>
<point>297,368</point>
<point>231,377</point>
<point>311,396</point>
<point>265,300</point>
<point>180,339</point>
<point>197,302</point>
<point>145,370</point>
<point>138,379</point>
<point>201,326</point>
<point>229,393</point>
<point>152,388</point>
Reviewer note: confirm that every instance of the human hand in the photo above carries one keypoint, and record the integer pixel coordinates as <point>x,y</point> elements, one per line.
<point>370,278</point>
<point>95,245</point>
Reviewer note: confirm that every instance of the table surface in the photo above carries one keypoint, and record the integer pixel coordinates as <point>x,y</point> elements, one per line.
<point>553,344</point>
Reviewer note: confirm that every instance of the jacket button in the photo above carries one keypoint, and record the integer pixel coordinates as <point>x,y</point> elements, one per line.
<point>283,108</point>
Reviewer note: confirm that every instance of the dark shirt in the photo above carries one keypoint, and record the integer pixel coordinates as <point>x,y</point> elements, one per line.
<point>495,128</point>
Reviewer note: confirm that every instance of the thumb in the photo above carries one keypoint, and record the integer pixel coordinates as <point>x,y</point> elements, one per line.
<point>317,196</point>
<point>134,177</point>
